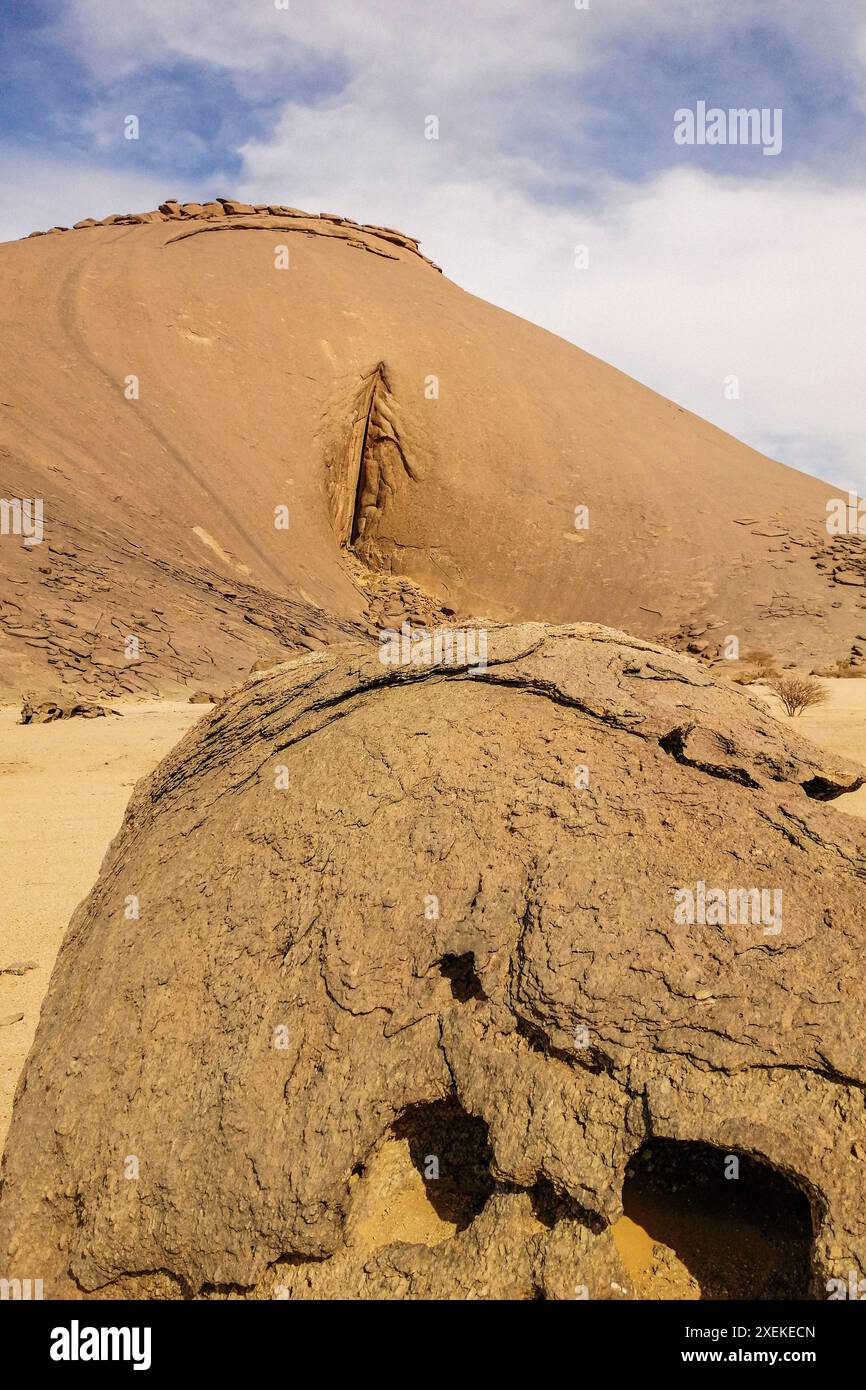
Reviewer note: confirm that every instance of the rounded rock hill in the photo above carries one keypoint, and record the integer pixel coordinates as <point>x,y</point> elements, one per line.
<point>280,427</point>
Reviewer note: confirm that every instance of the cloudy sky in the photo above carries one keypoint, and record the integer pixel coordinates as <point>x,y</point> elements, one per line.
<point>556,124</point>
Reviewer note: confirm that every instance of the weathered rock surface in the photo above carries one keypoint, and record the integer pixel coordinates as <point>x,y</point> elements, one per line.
<point>435,907</point>
<point>50,711</point>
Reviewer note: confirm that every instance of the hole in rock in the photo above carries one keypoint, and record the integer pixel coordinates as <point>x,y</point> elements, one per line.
<point>451,1151</point>
<point>688,1231</point>
<point>824,789</point>
<point>460,970</point>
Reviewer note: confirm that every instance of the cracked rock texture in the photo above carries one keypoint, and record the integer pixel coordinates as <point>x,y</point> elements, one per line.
<point>373,895</point>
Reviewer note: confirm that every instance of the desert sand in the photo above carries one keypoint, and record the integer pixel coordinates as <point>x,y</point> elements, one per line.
<point>839,726</point>
<point>64,791</point>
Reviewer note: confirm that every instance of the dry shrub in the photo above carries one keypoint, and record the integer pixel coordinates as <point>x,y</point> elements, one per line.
<point>764,662</point>
<point>797,692</point>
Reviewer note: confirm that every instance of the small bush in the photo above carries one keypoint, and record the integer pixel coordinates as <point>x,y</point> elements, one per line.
<point>764,663</point>
<point>797,693</point>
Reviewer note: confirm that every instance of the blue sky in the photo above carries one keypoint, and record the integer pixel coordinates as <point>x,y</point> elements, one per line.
<point>556,129</point>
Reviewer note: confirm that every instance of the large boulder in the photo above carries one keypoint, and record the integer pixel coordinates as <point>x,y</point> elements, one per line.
<point>517,914</point>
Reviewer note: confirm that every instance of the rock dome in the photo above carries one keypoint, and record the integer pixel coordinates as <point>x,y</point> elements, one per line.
<point>513,920</point>
<point>280,427</point>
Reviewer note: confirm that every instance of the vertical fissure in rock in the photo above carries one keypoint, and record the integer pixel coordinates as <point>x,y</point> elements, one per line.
<point>368,470</point>
<point>358,474</point>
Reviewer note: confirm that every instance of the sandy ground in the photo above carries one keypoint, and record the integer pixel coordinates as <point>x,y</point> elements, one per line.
<point>839,725</point>
<point>64,790</point>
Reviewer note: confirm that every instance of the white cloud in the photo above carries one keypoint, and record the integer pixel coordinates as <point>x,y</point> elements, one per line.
<point>476,42</point>
<point>695,279</point>
<point>41,192</point>
<point>480,39</point>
